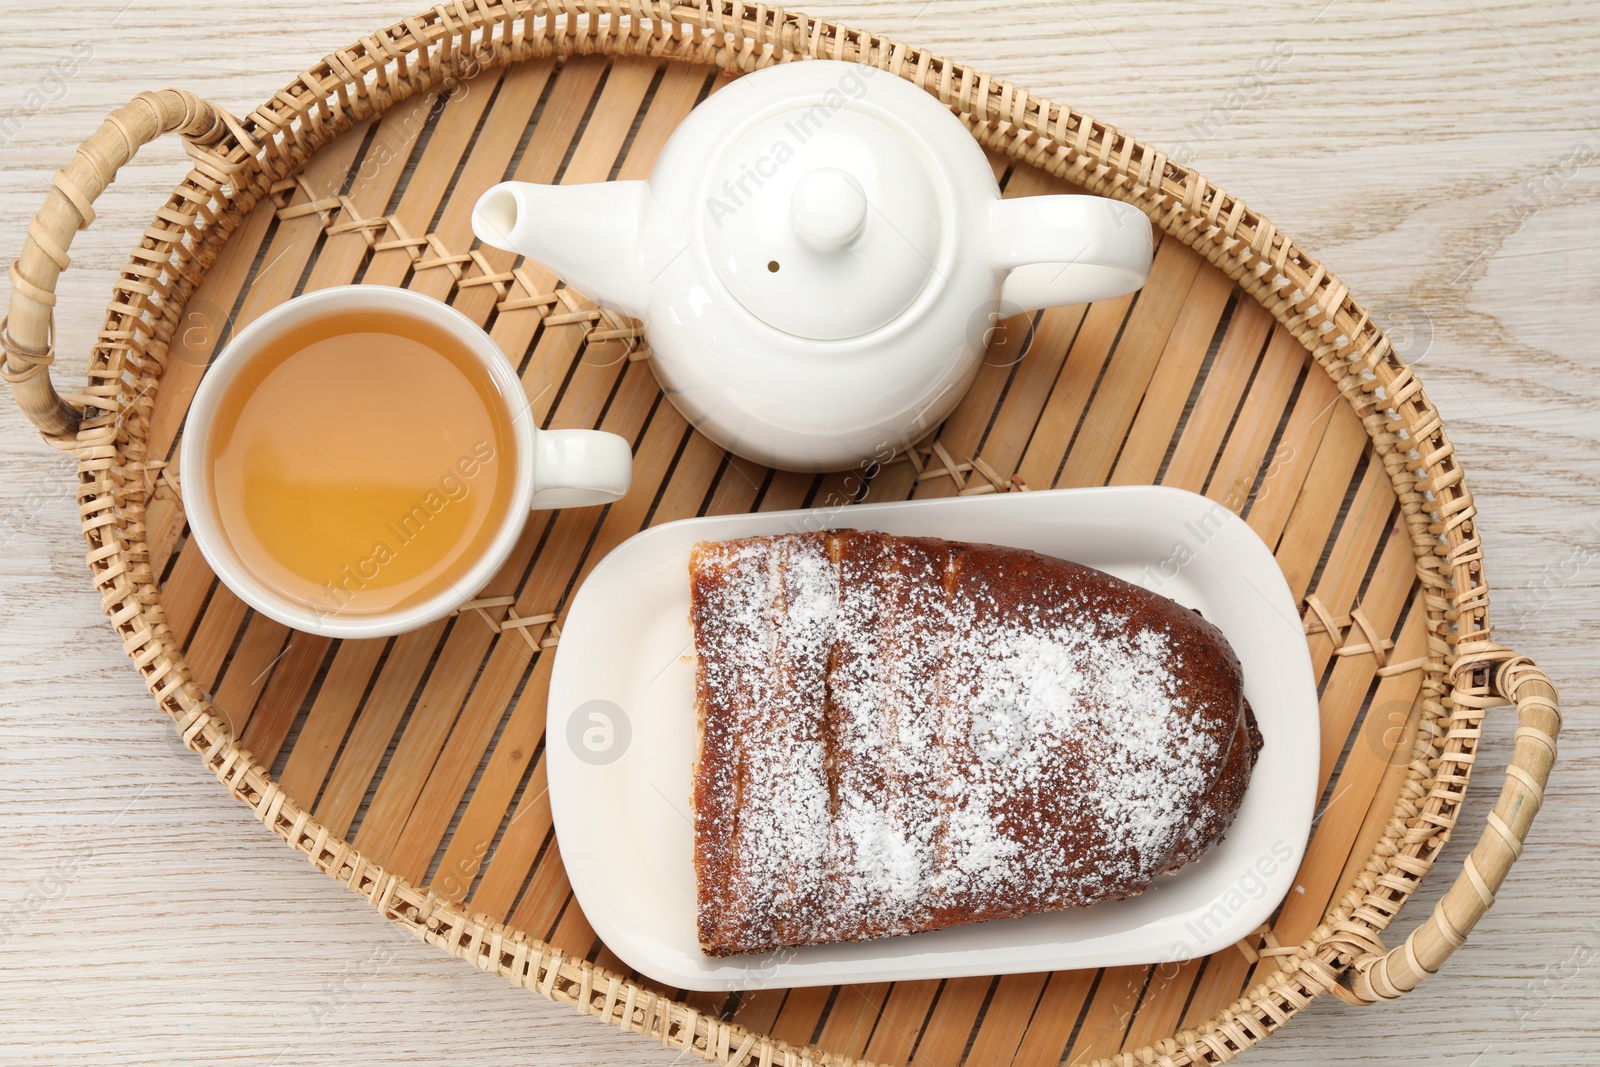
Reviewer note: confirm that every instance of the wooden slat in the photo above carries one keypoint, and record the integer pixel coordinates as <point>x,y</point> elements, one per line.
<point>1219,985</point>
<point>194,344</point>
<point>1054,337</point>
<point>758,1009</point>
<point>515,329</point>
<point>571,537</point>
<point>503,771</point>
<point>457,757</point>
<point>737,487</point>
<point>1345,691</point>
<point>288,683</point>
<point>610,961</point>
<point>962,433</point>
<point>1162,1006</point>
<point>1005,1020</point>
<point>451,134</point>
<point>213,638</point>
<point>1115,1000</point>
<point>295,240</point>
<point>853,1017</point>
<point>486,163</point>
<point>1257,422</point>
<point>377,176</point>
<point>802,1012</point>
<point>1044,1043</point>
<point>245,678</point>
<point>368,739</point>
<point>482,712</point>
<point>707,1003</point>
<point>896,481</point>
<point>785,491</point>
<point>694,476</point>
<point>1168,391</point>
<point>334,707</point>
<point>1116,401</point>
<point>185,593</point>
<point>1371,756</point>
<point>1321,497</point>
<point>1361,536</point>
<point>944,1038</point>
<point>544,897</point>
<point>1290,462</point>
<point>1396,737</point>
<point>1062,411</point>
<point>834,492</point>
<point>525,833</point>
<point>899,1021</point>
<point>421,736</point>
<point>1204,429</point>
<point>574,931</point>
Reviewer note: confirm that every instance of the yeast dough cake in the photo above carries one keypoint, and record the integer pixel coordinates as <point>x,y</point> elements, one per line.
<point>903,734</point>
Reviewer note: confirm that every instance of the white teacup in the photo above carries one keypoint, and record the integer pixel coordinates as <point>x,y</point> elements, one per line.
<point>552,468</point>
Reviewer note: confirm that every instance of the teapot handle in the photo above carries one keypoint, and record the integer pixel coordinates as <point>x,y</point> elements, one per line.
<point>1065,249</point>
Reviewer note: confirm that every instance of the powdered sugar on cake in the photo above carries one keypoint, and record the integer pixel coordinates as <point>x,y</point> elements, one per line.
<point>903,733</point>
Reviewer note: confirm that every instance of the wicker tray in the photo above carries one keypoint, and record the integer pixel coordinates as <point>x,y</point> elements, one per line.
<point>412,769</point>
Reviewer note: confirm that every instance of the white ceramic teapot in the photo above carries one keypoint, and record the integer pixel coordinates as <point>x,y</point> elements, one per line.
<point>818,257</point>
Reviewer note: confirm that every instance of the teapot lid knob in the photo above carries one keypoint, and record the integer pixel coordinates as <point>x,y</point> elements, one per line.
<point>824,221</point>
<point>827,209</point>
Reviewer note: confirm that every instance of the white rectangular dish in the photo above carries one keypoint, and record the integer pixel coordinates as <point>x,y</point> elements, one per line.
<point>621,741</point>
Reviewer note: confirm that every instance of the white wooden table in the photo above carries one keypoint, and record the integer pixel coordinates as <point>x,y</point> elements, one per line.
<point>1445,162</point>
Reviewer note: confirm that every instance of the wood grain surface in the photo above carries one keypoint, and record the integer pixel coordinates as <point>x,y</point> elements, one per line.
<point>1445,160</point>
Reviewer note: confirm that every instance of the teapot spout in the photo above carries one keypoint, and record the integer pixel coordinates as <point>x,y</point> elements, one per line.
<point>588,234</point>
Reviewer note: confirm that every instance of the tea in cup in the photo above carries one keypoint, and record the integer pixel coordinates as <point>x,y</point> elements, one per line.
<point>359,461</point>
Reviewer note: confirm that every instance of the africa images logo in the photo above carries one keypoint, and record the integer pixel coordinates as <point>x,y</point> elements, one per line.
<point>454,486</point>
<point>737,192</point>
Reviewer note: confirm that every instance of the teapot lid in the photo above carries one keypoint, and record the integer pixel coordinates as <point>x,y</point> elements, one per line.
<point>823,221</point>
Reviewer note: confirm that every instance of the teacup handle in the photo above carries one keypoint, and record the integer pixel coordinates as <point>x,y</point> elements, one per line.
<point>1068,250</point>
<point>579,468</point>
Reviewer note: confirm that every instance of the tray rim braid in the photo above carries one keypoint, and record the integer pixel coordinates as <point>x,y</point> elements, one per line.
<point>237,162</point>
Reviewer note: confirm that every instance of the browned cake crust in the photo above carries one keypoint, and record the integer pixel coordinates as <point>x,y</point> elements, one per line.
<point>904,734</point>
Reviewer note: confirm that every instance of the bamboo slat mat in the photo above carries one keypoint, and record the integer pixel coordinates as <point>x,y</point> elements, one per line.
<point>426,750</point>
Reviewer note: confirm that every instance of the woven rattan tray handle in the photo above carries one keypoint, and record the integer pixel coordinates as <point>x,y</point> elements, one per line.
<point>26,333</point>
<point>1378,976</point>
